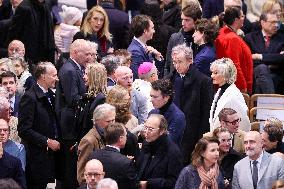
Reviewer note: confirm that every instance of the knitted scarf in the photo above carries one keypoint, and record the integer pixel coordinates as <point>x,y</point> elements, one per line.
<point>208,178</point>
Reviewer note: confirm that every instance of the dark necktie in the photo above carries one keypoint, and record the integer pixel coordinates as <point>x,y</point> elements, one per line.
<point>267,41</point>
<point>254,174</point>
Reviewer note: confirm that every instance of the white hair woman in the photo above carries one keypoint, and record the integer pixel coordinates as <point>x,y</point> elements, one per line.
<point>224,75</point>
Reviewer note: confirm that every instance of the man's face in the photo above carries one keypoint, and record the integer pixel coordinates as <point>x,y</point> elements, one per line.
<point>253,144</point>
<point>16,48</point>
<point>240,20</point>
<point>4,131</point>
<point>180,63</point>
<point>10,84</point>
<point>104,122</point>
<point>270,25</point>
<point>93,174</point>
<point>149,32</point>
<point>232,123</point>
<point>152,130</point>
<point>15,3</point>
<point>125,78</point>
<point>50,77</point>
<point>267,144</point>
<point>187,23</point>
<point>84,55</point>
<point>157,99</point>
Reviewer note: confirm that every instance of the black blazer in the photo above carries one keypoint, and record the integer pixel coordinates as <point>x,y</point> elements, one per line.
<point>195,99</point>
<point>70,89</point>
<point>270,55</point>
<point>117,166</point>
<point>16,105</point>
<point>37,123</point>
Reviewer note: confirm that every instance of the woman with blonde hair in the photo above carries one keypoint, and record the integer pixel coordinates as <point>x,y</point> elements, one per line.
<point>203,172</point>
<point>120,98</point>
<point>95,28</point>
<point>96,81</point>
<point>224,74</point>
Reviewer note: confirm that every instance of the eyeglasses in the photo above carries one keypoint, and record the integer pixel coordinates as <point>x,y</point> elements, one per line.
<point>150,129</point>
<point>4,130</point>
<point>93,174</point>
<point>234,122</point>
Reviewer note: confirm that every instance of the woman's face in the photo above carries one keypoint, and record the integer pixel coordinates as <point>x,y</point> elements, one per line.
<point>218,79</point>
<point>19,69</point>
<point>211,154</point>
<point>85,77</point>
<point>97,21</point>
<point>198,37</point>
<point>276,9</point>
<point>225,142</point>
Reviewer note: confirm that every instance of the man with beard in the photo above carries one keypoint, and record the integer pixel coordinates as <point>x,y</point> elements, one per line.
<point>259,169</point>
<point>189,15</point>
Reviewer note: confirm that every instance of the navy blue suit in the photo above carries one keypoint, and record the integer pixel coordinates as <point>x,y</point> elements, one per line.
<point>16,105</point>
<point>176,121</point>
<point>205,56</point>
<point>212,8</point>
<point>11,167</point>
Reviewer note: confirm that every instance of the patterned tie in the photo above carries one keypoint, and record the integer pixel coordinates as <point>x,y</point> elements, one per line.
<point>254,174</point>
<point>267,41</point>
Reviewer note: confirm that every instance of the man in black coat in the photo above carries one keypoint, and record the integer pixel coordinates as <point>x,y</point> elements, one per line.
<point>116,166</point>
<point>266,46</point>
<point>39,129</point>
<point>193,95</point>
<point>160,160</point>
<point>70,89</point>
<point>32,24</point>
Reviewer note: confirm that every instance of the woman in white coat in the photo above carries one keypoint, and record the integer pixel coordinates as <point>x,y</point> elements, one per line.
<point>224,75</point>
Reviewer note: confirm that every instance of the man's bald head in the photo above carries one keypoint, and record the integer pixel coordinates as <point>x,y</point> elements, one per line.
<point>81,51</point>
<point>94,172</point>
<point>232,3</point>
<point>253,144</point>
<point>16,48</point>
<point>124,76</point>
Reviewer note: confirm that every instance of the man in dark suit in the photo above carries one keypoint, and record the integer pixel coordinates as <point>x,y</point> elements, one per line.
<point>94,172</point>
<point>10,167</point>
<point>116,165</point>
<point>193,95</point>
<point>8,80</point>
<point>111,63</point>
<point>39,129</point>
<point>266,45</point>
<point>70,89</point>
<point>143,29</point>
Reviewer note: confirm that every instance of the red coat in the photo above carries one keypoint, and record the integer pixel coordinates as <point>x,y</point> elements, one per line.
<point>229,44</point>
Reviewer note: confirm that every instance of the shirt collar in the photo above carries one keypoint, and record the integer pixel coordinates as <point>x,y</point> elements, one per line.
<point>44,91</point>
<point>113,147</point>
<point>259,159</point>
<point>140,42</point>
<point>79,66</point>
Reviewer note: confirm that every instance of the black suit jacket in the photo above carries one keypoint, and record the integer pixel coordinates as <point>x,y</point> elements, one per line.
<point>37,123</point>
<point>11,167</point>
<point>16,105</point>
<point>70,89</point>
<point>196,96</point>
<point>270,55</point>
<point>117,167</point>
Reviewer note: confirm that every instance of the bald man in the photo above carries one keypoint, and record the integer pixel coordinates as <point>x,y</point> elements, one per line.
<point>69,91</point>
<point>139,107</point>
<point>16,48</point>
<point>259,170</point>
<point>94,172</point>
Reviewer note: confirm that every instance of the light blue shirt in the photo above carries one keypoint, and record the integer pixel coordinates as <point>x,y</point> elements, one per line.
<point>17,150</point>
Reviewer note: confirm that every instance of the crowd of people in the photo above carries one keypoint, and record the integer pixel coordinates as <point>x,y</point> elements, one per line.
<point>139,94</point>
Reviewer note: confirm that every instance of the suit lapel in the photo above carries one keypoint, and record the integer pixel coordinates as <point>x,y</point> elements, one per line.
<point>248,172</point>
<point>264,164</point>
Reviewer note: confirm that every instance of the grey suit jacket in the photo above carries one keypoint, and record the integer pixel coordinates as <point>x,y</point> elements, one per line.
<point>139,106</point>
<point>271,169</point>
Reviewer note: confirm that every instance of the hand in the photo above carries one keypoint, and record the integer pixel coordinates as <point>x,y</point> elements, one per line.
<point>53,144</point>
<point>1,1</point>
<point>157,54</point>
<point>143,184</point>
<point>282,52</point>
<point>257,56</point>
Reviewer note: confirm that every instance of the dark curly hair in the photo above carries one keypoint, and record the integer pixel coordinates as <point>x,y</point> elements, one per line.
<point>207,27</point>
<point>274,132</point>
<point>165,86</point>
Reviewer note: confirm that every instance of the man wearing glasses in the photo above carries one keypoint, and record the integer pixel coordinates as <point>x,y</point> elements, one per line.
<point>230,120</point>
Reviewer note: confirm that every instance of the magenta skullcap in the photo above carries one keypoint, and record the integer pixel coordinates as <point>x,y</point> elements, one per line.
<point>145,68</point>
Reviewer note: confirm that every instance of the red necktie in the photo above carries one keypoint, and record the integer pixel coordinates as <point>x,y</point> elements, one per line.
<point>267,41</point>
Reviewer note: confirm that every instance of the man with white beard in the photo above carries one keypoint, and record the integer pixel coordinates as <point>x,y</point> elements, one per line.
<point>259,169</point>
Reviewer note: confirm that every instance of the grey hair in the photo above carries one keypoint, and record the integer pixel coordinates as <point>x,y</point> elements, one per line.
<point>183,48</point>
<point>225,67</point>
<point>107,183</point>
<point>149,74</point>
<point>4,103</point>
<point>102,111</point>
<point>111,63</point>
<point>3,92</point>
<point>93,45</point>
